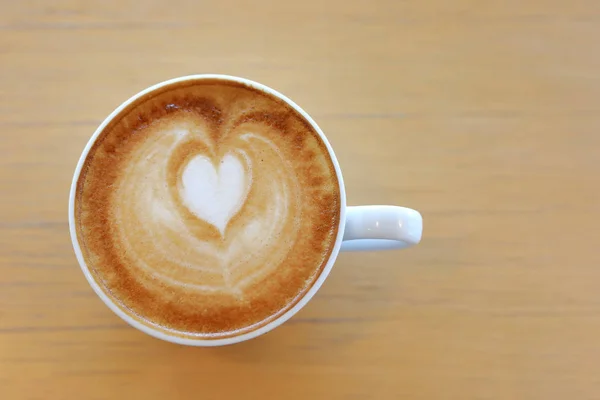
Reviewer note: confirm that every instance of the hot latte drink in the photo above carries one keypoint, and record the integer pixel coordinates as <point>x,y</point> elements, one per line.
<point>207,208</point>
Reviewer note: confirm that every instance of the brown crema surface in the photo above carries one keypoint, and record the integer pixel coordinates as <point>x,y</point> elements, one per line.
<point>189,267</point>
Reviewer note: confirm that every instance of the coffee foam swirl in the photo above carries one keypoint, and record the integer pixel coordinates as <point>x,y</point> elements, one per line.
<point>207,209</point>
<point>214,218</point>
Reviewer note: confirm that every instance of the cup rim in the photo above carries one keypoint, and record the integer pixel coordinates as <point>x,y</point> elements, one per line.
<point>205,342</point>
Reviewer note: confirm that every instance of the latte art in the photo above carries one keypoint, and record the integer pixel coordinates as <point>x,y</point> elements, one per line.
<point>208,209</point>
<point>214,221</point>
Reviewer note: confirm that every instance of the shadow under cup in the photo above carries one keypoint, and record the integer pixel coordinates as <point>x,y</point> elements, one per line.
<point>170,262</point>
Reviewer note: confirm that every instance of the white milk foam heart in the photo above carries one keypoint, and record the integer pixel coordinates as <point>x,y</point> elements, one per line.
<point>216,194</point>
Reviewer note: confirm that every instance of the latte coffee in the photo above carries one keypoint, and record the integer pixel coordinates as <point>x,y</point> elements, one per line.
<point>207,208</point>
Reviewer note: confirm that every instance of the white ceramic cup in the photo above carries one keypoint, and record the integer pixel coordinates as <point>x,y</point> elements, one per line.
<point>376,227</point>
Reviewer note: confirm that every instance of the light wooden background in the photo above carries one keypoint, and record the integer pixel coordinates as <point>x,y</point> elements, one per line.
<point>484,115</point>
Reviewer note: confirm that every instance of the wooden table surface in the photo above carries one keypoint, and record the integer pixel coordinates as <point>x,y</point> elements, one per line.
<point>484,115</point>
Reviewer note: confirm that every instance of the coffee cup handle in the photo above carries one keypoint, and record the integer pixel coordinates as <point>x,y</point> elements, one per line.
<point>381,228</point>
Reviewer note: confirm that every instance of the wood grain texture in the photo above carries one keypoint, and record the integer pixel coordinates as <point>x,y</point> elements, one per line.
<point>483,115</point>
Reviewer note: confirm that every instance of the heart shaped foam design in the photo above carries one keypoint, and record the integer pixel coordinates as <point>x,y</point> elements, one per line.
<point>204,214</point>
<point>215,194</point>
